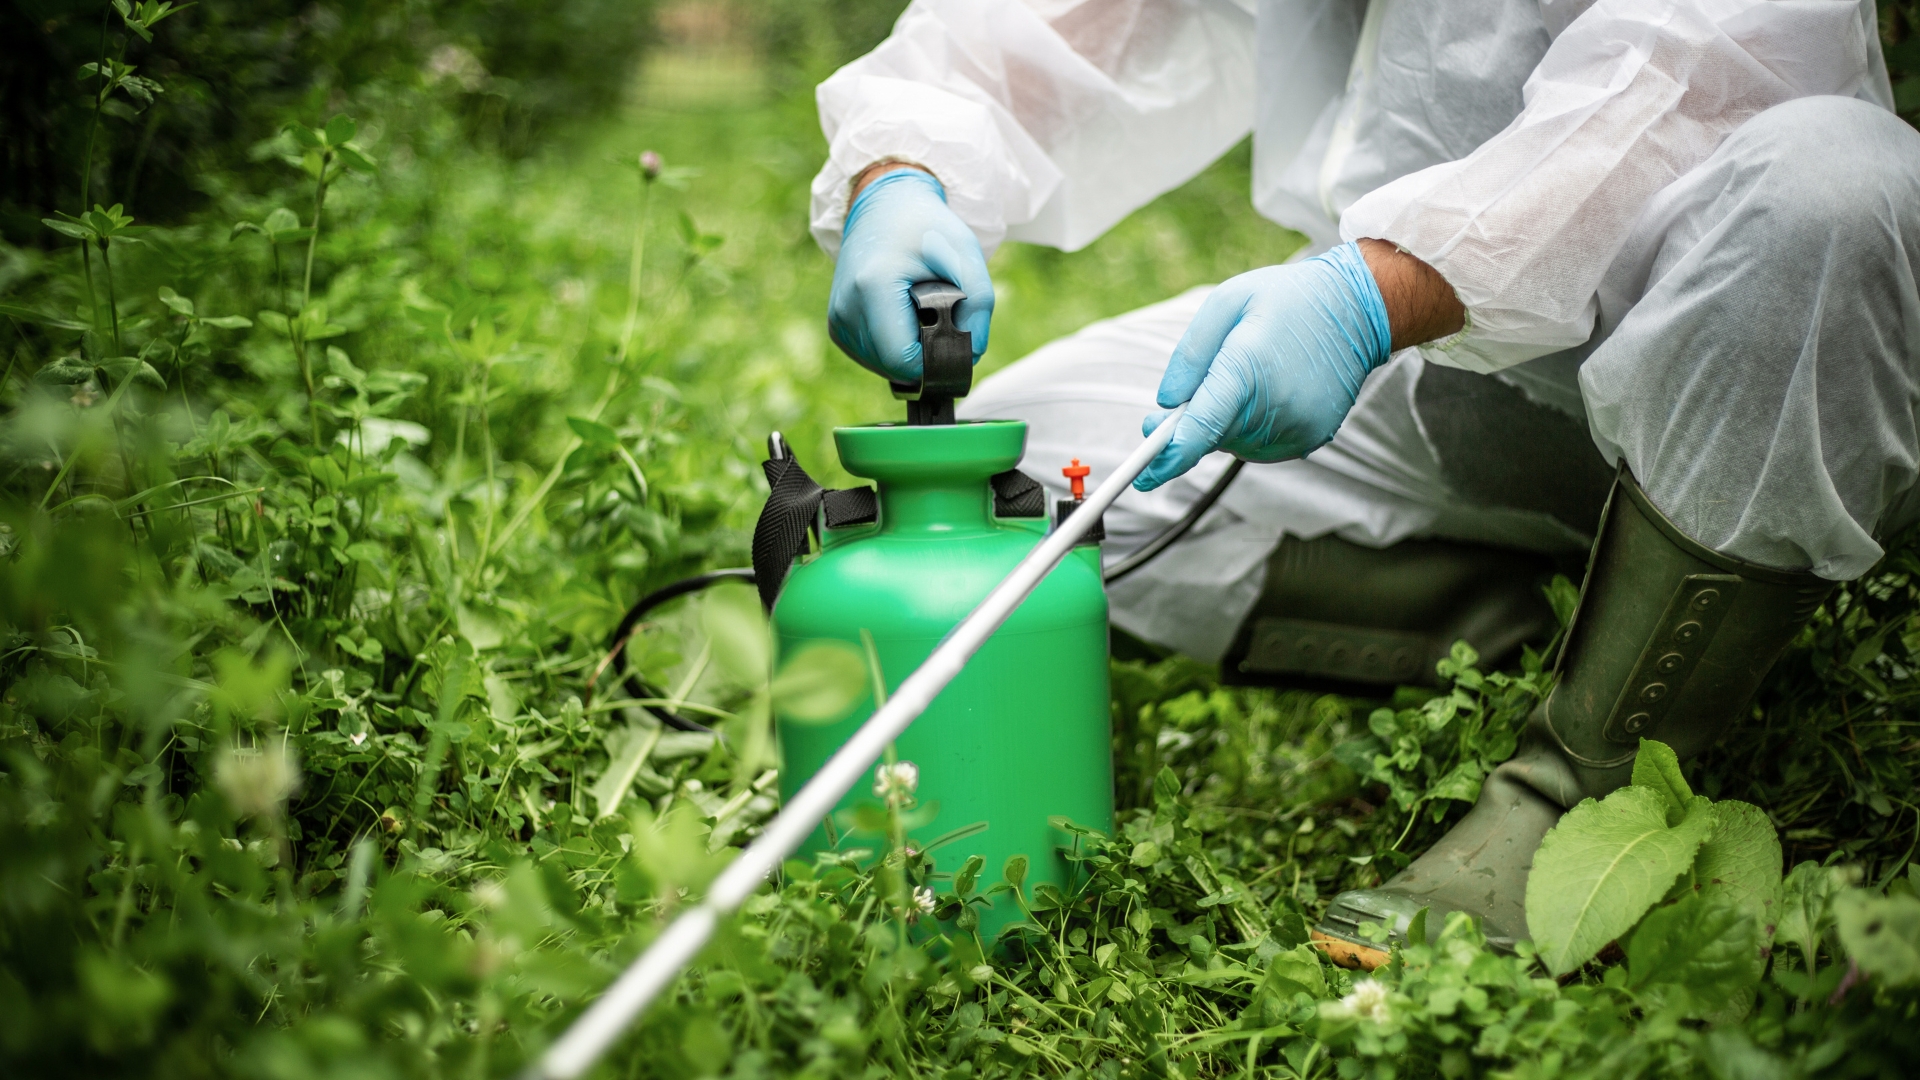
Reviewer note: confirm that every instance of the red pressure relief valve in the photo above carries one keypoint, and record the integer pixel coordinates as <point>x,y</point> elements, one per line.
<point>1076,475</point>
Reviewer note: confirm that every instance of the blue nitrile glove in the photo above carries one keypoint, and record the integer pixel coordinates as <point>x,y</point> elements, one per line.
<point>1272,363</point>
<point>900,232</point>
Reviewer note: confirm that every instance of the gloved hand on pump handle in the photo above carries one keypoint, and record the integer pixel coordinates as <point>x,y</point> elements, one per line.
<point>900,232</point>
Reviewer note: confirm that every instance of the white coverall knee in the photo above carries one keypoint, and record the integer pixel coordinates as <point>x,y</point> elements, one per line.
<point>1714,283</point>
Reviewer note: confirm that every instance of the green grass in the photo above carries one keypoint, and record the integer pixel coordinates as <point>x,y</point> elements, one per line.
<point>210,597</point>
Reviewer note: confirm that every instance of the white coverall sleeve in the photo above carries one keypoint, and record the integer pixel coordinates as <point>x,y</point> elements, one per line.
<point>1632,95</point>
<point>1046,120</point>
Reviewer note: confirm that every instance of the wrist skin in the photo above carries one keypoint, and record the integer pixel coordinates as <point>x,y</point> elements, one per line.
<point>1421,306</point>
<point>877,170</point>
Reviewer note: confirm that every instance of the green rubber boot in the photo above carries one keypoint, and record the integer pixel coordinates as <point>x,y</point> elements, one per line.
<point>1334,612</point>
<point>1669,642</point>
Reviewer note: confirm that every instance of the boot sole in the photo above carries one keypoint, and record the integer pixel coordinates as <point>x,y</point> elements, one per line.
<point>1348,954</point>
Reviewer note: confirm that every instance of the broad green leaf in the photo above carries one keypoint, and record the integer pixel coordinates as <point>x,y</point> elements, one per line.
<point>1881,934</point>
<point>1563,596</point>
<point>1048,897</point>
<point>1417,928</point>
<point>1707,947</point>
<point>672,850</point>
<point>174,300</point>
<point>1298,970</point>
<point>311,315</point>
<point>1657,768</point>
<point>281,222</point>
<point>1461,783</point>
<point>354,158</point>
<point>1806,908</point>
<point>732,618</point>
<point>968,876</point>
<point>327,471</point>
<point>627,750</point>
<point>365,551</point>
<point>122,994</point>
<point>593,432</point>
<point>1015,870</point>
<point>340,129</point>
<point>140,88</point>
<point>228,322</point>
<point>1601,868</point>
<point>1166,787</point>
<point>1740,862</point>
<point>339,363</point>
<point>820,683</point>
<point>132,367</point>
<point>79,230</point>
<point>15,311</point>
<point>368,650</point>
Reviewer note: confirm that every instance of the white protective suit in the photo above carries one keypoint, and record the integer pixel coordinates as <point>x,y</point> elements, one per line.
<point>1564,164</point>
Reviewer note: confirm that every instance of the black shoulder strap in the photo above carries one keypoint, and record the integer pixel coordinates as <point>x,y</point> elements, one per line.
<point>794,503</point>
<point>1017,495</point>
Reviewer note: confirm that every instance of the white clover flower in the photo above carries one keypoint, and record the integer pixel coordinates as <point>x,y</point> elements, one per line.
<point>357,738</point>
<point>897,781</point>
<point>923,900</point>
<point>1368,1000</point>
<point>257,779</point>
<point>459,65</point>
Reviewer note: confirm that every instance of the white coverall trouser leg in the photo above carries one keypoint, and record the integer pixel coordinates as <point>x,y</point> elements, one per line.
<point>1756,363</point>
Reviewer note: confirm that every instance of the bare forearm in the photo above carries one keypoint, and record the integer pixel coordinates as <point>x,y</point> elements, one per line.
<point>1421,306</point>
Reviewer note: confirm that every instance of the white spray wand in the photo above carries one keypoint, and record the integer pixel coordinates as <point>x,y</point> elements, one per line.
<point>603,1022</point>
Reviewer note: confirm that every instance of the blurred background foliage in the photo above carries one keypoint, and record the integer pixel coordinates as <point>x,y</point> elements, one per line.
<point>321,498</point>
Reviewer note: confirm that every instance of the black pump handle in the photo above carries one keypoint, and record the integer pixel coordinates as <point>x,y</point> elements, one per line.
<point>946,356</point>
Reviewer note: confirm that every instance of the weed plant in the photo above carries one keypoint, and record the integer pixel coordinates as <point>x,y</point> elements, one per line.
<point>320,504</point>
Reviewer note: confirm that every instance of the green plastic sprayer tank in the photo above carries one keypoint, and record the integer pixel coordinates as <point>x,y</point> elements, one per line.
<point>1022,735</point>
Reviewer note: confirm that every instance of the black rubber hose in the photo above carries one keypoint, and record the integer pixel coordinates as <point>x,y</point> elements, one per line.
<point>640,688</point>
<point>1176,530</point>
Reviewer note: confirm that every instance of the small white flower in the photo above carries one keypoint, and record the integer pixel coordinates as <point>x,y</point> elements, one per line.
<point>257,779</point>
<point>1368,1000</point>
<point>455,63</point>
<point>923,900</point>
<point>896,781</point>
<point>357,738</point>
<point>571,292</point>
